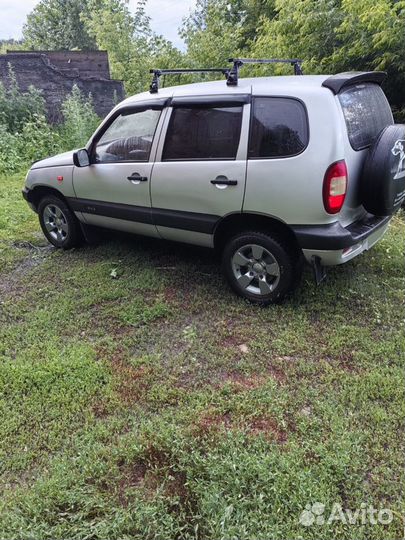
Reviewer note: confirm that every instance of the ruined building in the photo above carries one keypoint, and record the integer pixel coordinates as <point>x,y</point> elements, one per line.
<point>55,73</point>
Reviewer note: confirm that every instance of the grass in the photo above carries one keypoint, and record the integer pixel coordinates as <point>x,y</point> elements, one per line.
<point>141,399</point>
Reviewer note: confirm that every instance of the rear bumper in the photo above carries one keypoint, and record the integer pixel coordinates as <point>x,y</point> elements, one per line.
<point>335,244</point>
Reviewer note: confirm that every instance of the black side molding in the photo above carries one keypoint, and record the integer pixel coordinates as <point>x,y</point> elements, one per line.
<point>211,101</point>
<point>176,219</point>
<point>334,236</point>
<point>128,212</point>
<point>338,82</point>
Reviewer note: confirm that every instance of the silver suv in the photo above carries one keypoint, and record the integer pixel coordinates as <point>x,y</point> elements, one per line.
<point>271,171</point>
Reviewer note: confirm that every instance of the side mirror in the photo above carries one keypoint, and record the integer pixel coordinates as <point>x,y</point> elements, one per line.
<point>81,158</point>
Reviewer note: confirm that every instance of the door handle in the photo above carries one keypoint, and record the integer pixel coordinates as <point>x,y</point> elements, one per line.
<point>136,177</point>
<point>222,181</point>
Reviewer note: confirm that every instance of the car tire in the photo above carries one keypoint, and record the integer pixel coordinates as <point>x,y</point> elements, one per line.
<point>260,267</point>
<point>58,222</point>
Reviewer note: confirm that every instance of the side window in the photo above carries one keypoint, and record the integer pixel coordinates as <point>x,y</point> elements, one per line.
<point>128,138</point>
<point>203,133</point>
<point>279,128</point>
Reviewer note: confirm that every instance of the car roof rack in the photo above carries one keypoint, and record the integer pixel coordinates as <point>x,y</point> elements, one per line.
<point>157,73</point>
<point>232,78</point>
<point>231,74</point>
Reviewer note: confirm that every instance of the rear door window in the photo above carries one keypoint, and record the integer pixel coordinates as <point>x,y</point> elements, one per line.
<point>367,112</point>
<point>279,128</point>
<point>199,133</point>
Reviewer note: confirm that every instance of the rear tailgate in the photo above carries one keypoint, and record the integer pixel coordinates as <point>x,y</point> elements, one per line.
<point>365,112</point>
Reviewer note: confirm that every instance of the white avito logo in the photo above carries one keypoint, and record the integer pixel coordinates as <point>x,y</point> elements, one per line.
<point>314,514</point>
<point>399,150</point>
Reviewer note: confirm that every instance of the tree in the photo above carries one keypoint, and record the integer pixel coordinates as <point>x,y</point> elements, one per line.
<point>58,25</point>
<point>132,46</point>
<point>213,32</point>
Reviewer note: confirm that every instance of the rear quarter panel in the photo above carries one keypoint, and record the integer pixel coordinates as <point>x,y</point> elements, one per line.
<point>290,189</point>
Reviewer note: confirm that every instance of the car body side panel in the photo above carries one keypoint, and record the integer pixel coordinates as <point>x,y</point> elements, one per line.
<point>290,188</point>
<point>56,177</point>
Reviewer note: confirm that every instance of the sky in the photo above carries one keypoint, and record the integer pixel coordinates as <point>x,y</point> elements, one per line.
<point>166,16</point>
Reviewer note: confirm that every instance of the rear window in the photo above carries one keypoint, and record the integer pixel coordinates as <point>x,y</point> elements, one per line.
<point>279,128</point>
<point>367,112</point>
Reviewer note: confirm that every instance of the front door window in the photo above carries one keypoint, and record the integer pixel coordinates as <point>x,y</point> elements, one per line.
<point>128,138</point>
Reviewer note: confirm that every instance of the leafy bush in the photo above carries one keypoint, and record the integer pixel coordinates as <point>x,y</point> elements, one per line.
<point>36,140</point>
<point>80,119</point>
<point>9,157</point>
<point>16,106</point>
<point>25,134</point>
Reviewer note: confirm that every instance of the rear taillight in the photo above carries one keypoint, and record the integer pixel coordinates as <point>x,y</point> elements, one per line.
<point>334,187</point>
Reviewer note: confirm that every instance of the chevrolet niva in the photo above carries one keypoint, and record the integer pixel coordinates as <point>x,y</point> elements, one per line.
<point>270,171</point>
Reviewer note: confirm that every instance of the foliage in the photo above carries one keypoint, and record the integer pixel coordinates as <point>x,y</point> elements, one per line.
<point>16,106</point>
<point>25,134</point>
<point>80,120</point>
<point>132,46</point>
<point>58,25</point>
<point>11,44</point>
<point>212,33</point>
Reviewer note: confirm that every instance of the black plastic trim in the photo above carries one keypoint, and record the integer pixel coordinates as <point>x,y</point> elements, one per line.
<point>211,101</point>
<point>342,80</point>
<point>129,212</point>
<point>189,221</point>
<point>334,236</point>
<point>25,194</point>
<point>176,219</point>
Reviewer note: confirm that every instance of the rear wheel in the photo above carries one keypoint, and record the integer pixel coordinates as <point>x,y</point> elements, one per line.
<point>58,222</point>
<point>259,267</point>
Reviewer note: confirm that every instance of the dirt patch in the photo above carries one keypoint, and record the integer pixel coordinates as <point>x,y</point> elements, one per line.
<point>156,471</point>
<point>132,383</point>
<point>132,477</point>
<point>11,284</point>
<point>242,382</point>
<point>277,374</point>
<point>267,426</point>
<point>212,423</point>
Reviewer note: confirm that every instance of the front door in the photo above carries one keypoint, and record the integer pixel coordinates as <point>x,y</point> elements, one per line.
<point>200,169</point>
<point>114,190</point>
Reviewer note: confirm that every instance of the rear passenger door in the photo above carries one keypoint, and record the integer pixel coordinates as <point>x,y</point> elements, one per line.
<point>200,168</point>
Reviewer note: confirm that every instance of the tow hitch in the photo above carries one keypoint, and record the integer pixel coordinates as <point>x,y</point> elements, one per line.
<point>318,269</point>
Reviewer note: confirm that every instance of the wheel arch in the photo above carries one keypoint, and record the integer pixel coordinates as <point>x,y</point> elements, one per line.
<point>233,224</point>
<point>38,192</point>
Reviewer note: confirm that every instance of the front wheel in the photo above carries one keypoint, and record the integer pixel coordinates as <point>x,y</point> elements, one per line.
<point>58,222</point>
<point>259,267</point>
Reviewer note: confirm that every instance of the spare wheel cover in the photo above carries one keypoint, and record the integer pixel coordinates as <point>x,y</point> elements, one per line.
<point>382,184</point>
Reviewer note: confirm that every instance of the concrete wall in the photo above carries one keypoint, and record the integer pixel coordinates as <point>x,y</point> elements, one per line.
<point>56,73</point>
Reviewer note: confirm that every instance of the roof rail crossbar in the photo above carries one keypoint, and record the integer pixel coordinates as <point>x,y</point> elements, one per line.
<point>232,78</point>
<point>157,73</point>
